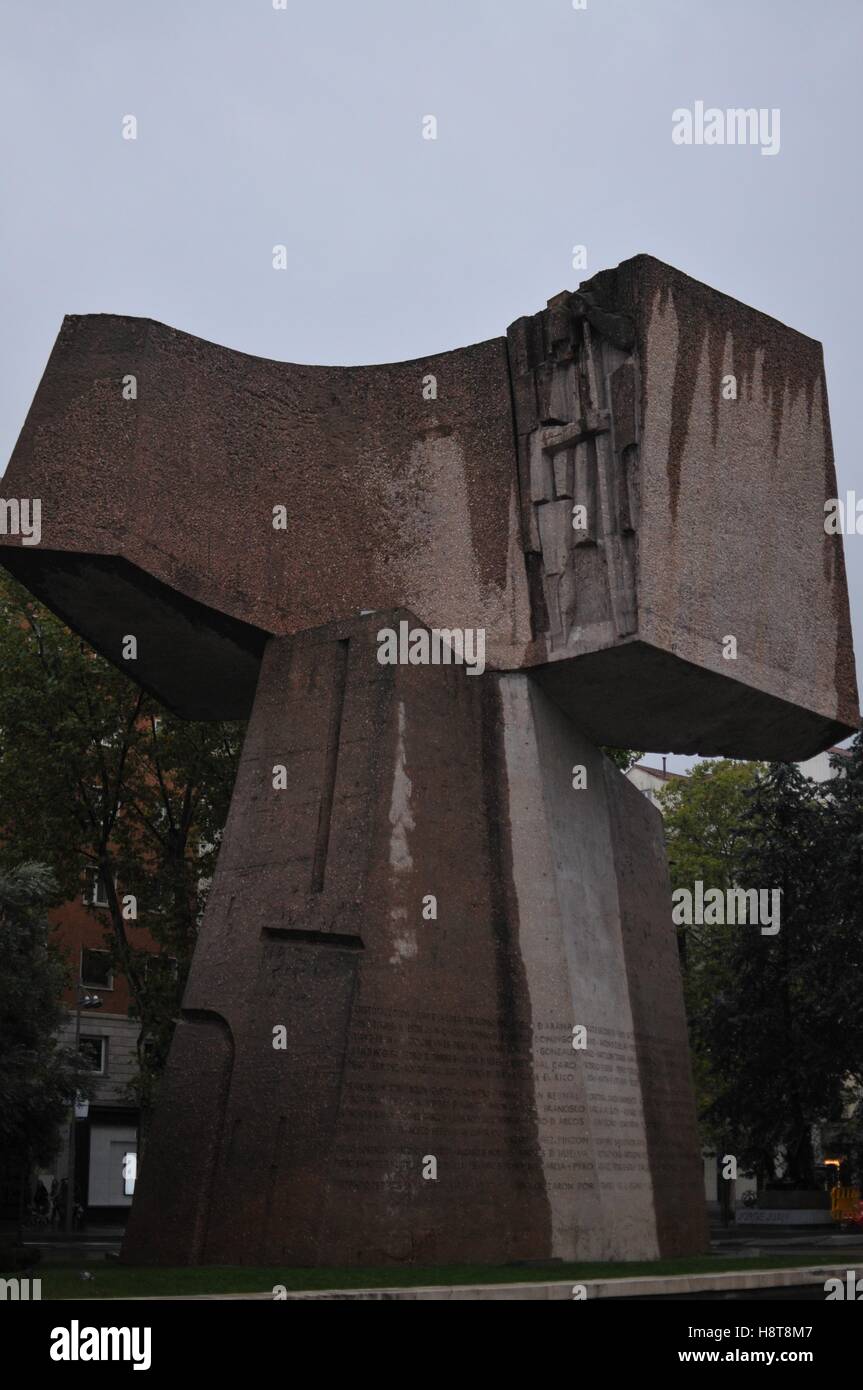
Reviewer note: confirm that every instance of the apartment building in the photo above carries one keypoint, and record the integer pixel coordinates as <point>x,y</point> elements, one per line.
<point>106,1135</point>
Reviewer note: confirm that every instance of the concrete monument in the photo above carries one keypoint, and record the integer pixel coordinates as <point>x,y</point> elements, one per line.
<point>435,1011</point>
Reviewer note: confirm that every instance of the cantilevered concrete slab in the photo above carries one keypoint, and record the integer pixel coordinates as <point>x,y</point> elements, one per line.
<point>690,432</point>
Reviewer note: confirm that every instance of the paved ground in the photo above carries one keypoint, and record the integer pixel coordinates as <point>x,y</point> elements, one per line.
<point>752,1241</point>
<point>94,1240</point>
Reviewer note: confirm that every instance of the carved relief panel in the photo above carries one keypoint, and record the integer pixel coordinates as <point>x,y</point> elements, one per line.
<point>576,383</point>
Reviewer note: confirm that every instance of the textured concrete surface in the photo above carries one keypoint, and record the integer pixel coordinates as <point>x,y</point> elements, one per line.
<point>406,1037</point>
<point>616,1121</point>
<point>703,516</point>
<point>410,1037</point>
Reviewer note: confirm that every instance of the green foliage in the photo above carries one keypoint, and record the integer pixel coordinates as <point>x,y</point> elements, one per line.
<point>624,758</point>
<point>37,1077</point>
<point>776,1022</point>
<point>704,822</point>
<point>95,773</point>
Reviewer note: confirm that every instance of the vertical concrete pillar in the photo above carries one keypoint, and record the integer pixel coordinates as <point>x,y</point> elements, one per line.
<point>412,912</point>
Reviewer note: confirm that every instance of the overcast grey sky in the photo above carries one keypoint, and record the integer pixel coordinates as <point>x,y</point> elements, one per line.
<point>302,126</point>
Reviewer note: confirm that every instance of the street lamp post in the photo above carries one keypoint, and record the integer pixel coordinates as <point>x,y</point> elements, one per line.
<point>82,1001</point>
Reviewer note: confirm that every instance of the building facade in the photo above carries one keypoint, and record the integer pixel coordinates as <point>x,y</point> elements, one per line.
<point>106,1136</point>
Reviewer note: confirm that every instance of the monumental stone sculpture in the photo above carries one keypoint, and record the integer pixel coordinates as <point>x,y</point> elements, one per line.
<point>434,1012</point>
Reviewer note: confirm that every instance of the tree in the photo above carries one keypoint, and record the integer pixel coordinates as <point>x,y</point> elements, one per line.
<point>623,758</point>
<point>846,878</point>
<point>704,821</point>
<point>703,815</point>
<point>38,1077</point>
<point>775,1020</point>
<point>97,774</point>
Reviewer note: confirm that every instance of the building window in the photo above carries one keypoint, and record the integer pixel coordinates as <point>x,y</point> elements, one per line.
<point>94,889</point>
<point>94,1053</point>
<point>96,969</point>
